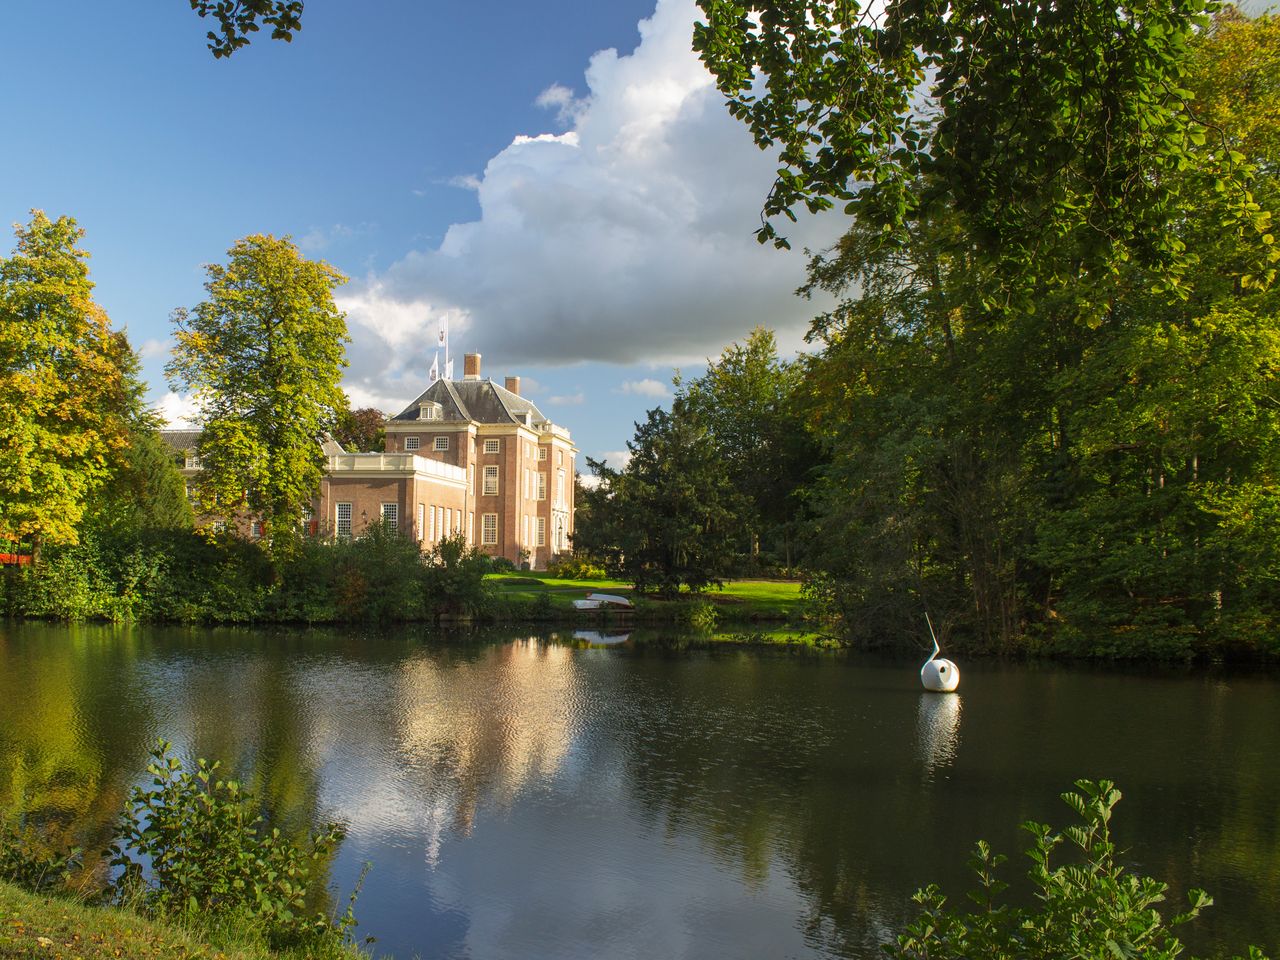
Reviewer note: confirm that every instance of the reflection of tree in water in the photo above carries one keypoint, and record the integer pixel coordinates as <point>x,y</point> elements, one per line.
<point>68,705</point>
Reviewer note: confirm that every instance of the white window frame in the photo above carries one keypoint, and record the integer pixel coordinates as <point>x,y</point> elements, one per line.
<point>542,531</point>
<point>440,443</point>
<point>542,454</point>
<point>541,491</point>
<point>471,527</point>
<point>192,463</point>
<point>390,514</point>
<point>422,520</point>
<point>471,478</point>
<point>431,535</point>
<point>339,520</point>
<point>490,474</point>
<point>492,445</point>
<point>560,487</point>
<point>413,443</point>
<point>489,529</point>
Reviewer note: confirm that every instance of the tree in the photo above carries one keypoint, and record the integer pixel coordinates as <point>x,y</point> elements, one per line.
<point>1099,469</point>
<point>237,19</point>
<point>668,519</point>
<point>747,400</point>
<point>263,354</point>
<point>62,387</point>
<point>363,429</point>
<point>1055,128</point>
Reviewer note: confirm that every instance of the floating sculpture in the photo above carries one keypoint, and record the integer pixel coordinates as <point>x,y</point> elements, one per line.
<point>938,674</point>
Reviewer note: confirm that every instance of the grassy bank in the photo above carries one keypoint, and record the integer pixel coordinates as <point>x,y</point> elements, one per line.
<point>35,926</point>
<point>536,597</point>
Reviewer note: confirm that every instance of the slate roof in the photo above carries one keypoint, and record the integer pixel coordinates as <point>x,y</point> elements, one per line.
<point>180,441</point>
<point>480,401</point>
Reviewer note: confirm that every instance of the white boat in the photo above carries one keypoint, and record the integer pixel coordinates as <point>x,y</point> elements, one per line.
<point>597,601</point>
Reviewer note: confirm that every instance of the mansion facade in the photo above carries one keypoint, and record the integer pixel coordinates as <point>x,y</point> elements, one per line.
<point>467,456</point>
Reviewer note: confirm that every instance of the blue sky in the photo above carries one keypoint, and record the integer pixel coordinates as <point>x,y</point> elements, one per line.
<point>559,179</point>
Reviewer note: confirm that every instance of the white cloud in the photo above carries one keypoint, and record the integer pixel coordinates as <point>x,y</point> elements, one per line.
<point>569,400</point>
<point>627,238</point>
<point>178,409</point>
<point>150,349</point>
<point>615,459</point>
<point>645,388</point>
<point>561,99</point>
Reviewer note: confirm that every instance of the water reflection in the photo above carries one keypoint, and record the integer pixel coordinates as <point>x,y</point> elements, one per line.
<point>938,729</point>
<point>528,798</point>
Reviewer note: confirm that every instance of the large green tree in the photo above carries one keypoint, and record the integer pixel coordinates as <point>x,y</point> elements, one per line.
<point>1056,128</point>
<point>263,354</point>
<point>62,385</point>
<point>668,519</point>
<point>1100,468</point>
<point>747,401</point>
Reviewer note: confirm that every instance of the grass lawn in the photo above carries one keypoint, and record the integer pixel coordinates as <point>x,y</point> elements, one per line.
<point>35,927</point>
<point>744,599</point>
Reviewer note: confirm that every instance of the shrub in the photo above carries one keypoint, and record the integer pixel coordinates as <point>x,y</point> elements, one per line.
<point>455,577</point>
<point>1089,908</point>
<point>193,847</point>
<point>25,862</point>
<point>575,568</point>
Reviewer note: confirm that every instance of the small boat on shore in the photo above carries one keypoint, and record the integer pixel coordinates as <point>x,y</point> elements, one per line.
<point>604,601</point>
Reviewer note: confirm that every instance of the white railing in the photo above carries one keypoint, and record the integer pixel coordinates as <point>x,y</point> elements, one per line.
<point>395,463</point>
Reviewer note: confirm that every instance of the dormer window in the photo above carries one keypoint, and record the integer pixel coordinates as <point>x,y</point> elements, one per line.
<point>430,411</point>
<point>192,462</point>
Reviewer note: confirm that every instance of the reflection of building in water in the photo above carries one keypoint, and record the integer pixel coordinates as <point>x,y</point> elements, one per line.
<point>938,729</point>
<point>471,732</point>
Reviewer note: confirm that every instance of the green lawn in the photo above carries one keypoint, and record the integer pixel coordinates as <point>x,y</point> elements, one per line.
<point>740,599</point>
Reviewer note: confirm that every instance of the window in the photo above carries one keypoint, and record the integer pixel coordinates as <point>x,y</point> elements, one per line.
<point>528,484</point>
<point>525,538</point>
<point>192,462</point>
<point>343,517</point>
<point>492,445</point>
<point>542,531</point>
<point>542,453</point>
<point>255,530</point>
<point>448,521</point>
<point>391,515</point>
<point>442,443</point>
<point>490,488</point>
<point>471,527</point>
<point>412,443</point>
<point>560,487</point>
<point>559,457</point>
<point>471,478</point>
<point>422,521</point>
<point>191,493</point>
<point>489,528</point>
<point>431,533</point>
<point>542,486</point>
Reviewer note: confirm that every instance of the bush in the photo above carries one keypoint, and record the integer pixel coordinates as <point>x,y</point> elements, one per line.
<point>455,577</point>
<point>26,863</point>
<point>192,847</point>
<point>575,568</point>
<point>1090,908</point>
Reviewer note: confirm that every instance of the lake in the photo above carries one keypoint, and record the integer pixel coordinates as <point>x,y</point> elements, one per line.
<point>546,796</point>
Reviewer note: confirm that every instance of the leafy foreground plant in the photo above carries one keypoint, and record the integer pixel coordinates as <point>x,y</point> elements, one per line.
<point>26,862</point>
<point>194,848</point>
<point>1086,909</point>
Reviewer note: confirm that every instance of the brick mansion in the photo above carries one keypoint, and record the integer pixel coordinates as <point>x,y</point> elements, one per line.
<point>467,456</point>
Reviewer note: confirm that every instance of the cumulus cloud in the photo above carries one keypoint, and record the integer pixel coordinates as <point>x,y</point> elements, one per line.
<point>645,388</point>
<point>614,459</point>
<point>153,348</point>
<point>179,410</point>
<point>626,238</point>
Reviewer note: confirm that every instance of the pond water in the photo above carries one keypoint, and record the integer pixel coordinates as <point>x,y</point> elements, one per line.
<point>545,797</point>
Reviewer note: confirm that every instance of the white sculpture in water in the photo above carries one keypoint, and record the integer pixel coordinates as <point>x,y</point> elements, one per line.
<point>938,674</point>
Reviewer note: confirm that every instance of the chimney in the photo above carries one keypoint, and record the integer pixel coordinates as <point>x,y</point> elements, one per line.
<point>471,366</point>
<point>513,385</point>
